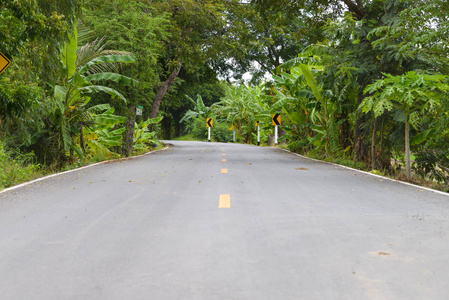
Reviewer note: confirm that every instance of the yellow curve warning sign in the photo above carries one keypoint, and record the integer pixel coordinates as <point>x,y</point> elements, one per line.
<point>4,62</point>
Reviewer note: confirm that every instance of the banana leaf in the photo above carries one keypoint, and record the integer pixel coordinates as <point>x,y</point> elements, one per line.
<point>124,80</point>
<point>108,59</point>
<point>89,90</point>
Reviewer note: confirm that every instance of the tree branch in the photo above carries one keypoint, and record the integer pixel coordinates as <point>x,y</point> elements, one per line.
<point>357,9</point>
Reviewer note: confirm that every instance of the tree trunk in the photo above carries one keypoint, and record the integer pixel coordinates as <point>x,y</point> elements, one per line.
<point>127,142</point>
<point>381,147</point>
<point>408,172</point>
<point>373,145</point>
<point>161,93</point>
<point>358,138</point>
<point>82,144</point>
<point>356,8</point>
<point>345,133</point>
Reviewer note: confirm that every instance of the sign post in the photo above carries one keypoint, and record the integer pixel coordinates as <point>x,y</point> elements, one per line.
<point>233,134</point>
<point>209,123</point>
<point>4,62</point>
<point>258,133</point>
<point>276,121</point>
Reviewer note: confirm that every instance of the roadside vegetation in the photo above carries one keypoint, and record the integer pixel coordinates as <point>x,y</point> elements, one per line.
<point>361,83</point>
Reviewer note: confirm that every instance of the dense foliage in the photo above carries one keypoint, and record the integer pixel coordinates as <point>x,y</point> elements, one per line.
<point>359,81</point>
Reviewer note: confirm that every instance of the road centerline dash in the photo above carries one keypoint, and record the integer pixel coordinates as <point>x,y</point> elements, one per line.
<point>225,201</point>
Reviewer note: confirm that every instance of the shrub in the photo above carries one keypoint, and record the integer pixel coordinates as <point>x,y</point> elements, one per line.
<point>16,168</point>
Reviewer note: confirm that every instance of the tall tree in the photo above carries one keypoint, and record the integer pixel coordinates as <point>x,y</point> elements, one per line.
<point>132,26</point>
<point>197,38</point>
<point>269,34</point>
<point>413,94</point>
<point>35,31</point>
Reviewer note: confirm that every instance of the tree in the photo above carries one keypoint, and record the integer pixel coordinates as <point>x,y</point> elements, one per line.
<point>266,34</point>
<point>80,70</point>
<point>32,33</point>
<point>413,94</point>
<point>24,21</point>
<point>197,38</point>
<point>132,26</point>
<point>203,82</point>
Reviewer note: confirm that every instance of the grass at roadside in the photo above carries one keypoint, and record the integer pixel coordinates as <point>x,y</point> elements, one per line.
<point>16,168</point>
<point>396,175</point>
<point>187,137</point>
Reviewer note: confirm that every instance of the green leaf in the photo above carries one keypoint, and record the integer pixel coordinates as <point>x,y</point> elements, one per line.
<point>90,90</point>
<point>108,59</point>
<point>108,119</point>
<point>60,93</point>
<point>311,81</point>
<point>121,79</point>
<point>68,54</point>
<point>421,137</point>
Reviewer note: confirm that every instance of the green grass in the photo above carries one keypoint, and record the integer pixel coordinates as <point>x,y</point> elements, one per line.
<point>187,137</point>
<point>349,163</point>
<point>16,168</point>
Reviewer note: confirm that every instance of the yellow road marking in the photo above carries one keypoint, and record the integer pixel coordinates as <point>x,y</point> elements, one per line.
<point>224,154</point>
<point>223,159</point>
<point>225,201</point>
<point>224,171</point>
<point>223,150</point>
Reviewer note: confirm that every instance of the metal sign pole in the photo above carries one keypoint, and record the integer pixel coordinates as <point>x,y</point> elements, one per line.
<point>208,134</point>
<point>233,136</point>
<point>276,135</point>
<point>258,135</point>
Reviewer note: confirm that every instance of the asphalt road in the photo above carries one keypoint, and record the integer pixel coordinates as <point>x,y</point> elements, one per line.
<point>184,224</point>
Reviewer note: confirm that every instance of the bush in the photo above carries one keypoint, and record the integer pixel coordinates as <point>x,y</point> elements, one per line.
<point>432,164</point>
<point>219,133</point>
<point>349,163</point>
<point>16,168</point>
<point>199,129</point>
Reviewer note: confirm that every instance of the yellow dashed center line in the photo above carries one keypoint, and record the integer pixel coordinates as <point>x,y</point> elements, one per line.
<point>225,201</point>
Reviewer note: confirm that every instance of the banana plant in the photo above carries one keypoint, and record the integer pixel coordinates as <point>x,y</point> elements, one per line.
<point>104,135</point>
<point>306,104</point>
<point>199,109</point>
<point>82,72</point>
<point>143,136</point>
<point>242,106</point>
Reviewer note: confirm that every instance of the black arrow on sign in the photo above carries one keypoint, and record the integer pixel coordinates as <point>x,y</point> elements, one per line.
<point>276,120</point>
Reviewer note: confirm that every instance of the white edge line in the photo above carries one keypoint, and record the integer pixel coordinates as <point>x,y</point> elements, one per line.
<point>77,169</point>
<point>368,173</point>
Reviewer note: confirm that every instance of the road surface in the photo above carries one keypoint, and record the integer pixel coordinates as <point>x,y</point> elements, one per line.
<point>222,221</point>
